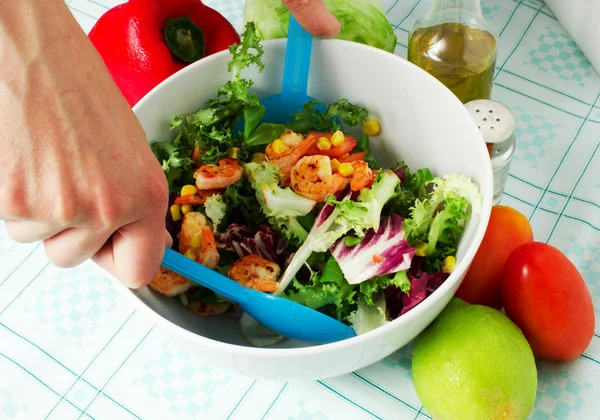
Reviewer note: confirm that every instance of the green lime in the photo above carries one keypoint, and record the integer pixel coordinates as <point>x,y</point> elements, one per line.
<point>474,363</point>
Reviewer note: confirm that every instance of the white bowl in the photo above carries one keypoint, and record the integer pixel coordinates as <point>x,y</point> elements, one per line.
<point>422,122</point>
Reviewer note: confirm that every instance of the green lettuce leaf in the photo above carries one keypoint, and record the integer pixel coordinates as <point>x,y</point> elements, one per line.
<point>368,317</point>
<point>362,21</point>
<point>326,288</point>
<point>211,129</point>
<point>411,189</point>
<point>242,206</point>
<point>445,231</point>
<point>371,288</point>
<point>282,206</point>
<point>216,210</point>
<point>311,118</point>
<point>365,213</point>
<point>176,159</point>
<point>364,145</point>
<point>438,220</point>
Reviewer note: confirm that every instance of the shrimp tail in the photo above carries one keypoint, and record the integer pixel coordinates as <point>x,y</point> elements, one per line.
<point>305,146</point>
<point>285,165</point>
<point>197,199</point>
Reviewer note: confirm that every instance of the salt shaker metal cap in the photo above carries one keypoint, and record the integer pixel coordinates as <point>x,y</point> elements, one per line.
<point>497,125</point>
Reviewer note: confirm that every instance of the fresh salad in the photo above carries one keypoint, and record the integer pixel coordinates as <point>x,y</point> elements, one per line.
<point>304,210</point>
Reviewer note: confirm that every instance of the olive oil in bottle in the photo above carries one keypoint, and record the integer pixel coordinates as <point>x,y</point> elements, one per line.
<point>457,46</point>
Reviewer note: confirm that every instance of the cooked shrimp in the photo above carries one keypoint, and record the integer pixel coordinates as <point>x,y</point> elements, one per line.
<point>287,150</point>
<point>362,177</point>
<point>313,178</point>
<point>197,238</point>
<point>198,198</point>
<point>196,155</point>
<point>169,283</point>
<point>255,273</point>
<point>213,177</point>
<point>209,309</point>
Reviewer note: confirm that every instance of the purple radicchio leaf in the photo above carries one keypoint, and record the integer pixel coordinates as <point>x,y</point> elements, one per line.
<point>378,254</point>
<point>401,173</point>
<point>235,233</point>
<point>326,215</point>
<point>328,209</point>
<point>265,243</point>
<point>393,301</point>
<point>422,285</point>
<point>435,281</point>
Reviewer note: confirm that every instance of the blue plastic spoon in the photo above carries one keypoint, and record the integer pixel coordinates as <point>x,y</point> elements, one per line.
<point>279,108</point>
<point>280,315</point>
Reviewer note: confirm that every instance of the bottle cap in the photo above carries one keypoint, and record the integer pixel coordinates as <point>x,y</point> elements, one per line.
<point>496,123</point>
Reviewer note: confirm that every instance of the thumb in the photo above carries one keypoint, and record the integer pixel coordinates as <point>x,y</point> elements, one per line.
<point>134,252</point>
<point>314,17</point>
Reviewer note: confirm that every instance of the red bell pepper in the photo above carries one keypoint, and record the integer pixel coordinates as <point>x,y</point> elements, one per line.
<point>142,42</point>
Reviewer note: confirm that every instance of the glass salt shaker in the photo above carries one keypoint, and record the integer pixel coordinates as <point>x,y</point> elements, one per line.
<point>497,125</point>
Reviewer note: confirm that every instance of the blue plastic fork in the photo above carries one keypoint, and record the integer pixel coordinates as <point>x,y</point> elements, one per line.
<point>280,315</point>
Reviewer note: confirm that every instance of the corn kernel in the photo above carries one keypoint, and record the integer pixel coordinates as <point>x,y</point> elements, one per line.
<point>258,157</point>
<point>337,139</point>
<point>196,241</point>
<point>346,169</point>
<point>421,249</point>
<point>323,143</point>
<point>371,127</point>
<point>175,212</point>
<point>233,152</point>
<point>186,208</point>
<point>449,264</point>
<point>279,146</point>
<point>188,190</point>
<point>300,136</point>
<point>190,253</point>
<point>335,165</point>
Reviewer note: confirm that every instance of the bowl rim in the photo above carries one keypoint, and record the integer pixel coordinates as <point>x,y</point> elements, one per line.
<point>384,330</point>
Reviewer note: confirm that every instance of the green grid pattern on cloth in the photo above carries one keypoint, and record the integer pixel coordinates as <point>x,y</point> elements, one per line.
<point>559,54</point>
<point>108,362</point>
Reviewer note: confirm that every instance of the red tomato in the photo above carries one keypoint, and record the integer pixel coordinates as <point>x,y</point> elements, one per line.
<point>353,157</point>
<point>333,152</point>
<point>547,298</point>
<point>507,229</point>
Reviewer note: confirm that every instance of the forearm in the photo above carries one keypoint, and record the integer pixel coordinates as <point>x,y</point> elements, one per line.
<point>54,93</point>
<point>43,51</point>
<point>36,37</point>
<point>33,28</point>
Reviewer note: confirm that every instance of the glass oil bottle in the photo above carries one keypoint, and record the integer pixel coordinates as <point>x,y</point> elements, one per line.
<point>458,46</point>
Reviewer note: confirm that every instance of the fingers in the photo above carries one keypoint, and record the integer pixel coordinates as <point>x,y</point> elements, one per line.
<point>24,231</point>
<point>168,239</point>
<point>314,17</point>
<point>135,252</point>
<point>130,254</point>
<point>73,246</point>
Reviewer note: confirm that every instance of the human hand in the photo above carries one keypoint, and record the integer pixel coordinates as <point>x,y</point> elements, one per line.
<point>77,172</point>
<point>314,17</point>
